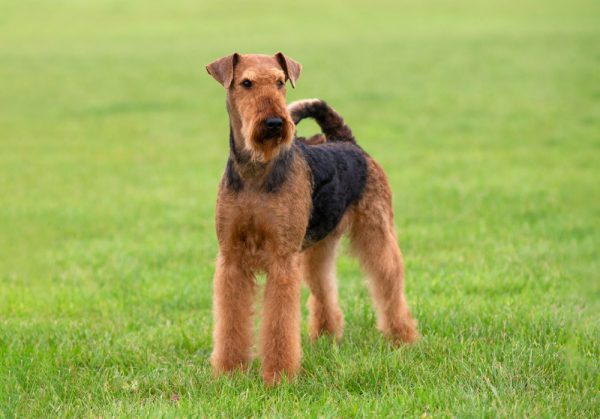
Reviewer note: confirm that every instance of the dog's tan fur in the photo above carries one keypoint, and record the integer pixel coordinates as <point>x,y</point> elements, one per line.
<point>264,232</point>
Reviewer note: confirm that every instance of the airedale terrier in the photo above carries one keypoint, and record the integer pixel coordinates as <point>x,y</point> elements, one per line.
<point>282,206</point>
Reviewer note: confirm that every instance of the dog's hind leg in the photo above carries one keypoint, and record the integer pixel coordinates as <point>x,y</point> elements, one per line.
<point>319,273</point>
<point>373,240</point>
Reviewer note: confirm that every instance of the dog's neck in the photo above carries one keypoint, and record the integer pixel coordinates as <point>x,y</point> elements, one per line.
<point>244,172</point>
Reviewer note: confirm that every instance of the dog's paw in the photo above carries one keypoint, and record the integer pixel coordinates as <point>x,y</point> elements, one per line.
<point>403,332</point>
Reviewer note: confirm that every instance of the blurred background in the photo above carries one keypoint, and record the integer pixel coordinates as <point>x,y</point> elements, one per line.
<point>113,138</point>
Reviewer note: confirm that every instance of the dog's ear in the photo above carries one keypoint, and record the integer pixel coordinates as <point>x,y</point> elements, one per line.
<point>222,69</point>
<point>291,67</point>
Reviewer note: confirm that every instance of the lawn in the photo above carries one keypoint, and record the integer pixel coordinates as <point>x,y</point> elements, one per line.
<point>485,115</point>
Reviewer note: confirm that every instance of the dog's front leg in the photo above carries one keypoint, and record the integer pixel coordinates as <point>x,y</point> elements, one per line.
<point>280,331</point>
<point>234,289</point>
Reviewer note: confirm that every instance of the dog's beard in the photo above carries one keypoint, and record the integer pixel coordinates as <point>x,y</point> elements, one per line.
<point>264,145</point>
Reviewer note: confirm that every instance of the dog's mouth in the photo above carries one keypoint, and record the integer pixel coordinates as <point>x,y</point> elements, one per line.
<point>272,130</point>
<point>269,135</point>
<point>263,140</point>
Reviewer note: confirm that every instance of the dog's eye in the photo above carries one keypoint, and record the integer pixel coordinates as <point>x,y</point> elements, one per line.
<point>280,84</point>
<point>246,83</point>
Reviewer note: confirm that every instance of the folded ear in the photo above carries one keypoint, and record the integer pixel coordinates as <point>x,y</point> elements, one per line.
<point>222,69</point>
<point>291,68</point>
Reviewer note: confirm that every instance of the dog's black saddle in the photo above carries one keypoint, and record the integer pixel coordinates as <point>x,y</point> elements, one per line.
<point>339,175</point>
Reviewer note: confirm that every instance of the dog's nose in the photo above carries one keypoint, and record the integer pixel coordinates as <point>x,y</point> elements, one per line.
<point>274,122</point>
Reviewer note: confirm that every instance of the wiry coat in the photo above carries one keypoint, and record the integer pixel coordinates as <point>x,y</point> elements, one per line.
<point>282,206</point>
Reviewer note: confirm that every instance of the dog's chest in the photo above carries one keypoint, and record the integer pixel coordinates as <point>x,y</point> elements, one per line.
<point>257,225</point>
<point>252,234</point>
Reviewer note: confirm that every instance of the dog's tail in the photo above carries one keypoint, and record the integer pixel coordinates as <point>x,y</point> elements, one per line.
<point>331,123</point>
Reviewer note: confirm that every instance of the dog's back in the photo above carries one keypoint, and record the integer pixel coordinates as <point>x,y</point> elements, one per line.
<point>338,167</point>
<point>339,174</point>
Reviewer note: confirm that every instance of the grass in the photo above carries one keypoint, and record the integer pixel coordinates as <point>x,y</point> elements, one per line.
<point>486,116</point>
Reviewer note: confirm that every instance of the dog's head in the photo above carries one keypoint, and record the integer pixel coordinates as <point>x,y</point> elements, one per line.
<point>256,103</point>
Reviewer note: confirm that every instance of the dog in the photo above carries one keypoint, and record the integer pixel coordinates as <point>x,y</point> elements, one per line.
<point>282,206</point>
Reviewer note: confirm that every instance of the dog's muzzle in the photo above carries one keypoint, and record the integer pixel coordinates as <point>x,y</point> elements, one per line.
<point>272,126</point>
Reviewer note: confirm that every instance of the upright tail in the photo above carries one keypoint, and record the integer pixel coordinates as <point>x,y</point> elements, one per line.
<point>331,123</point>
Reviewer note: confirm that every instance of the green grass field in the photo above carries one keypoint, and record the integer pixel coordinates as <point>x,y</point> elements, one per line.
<point>485,115</point>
